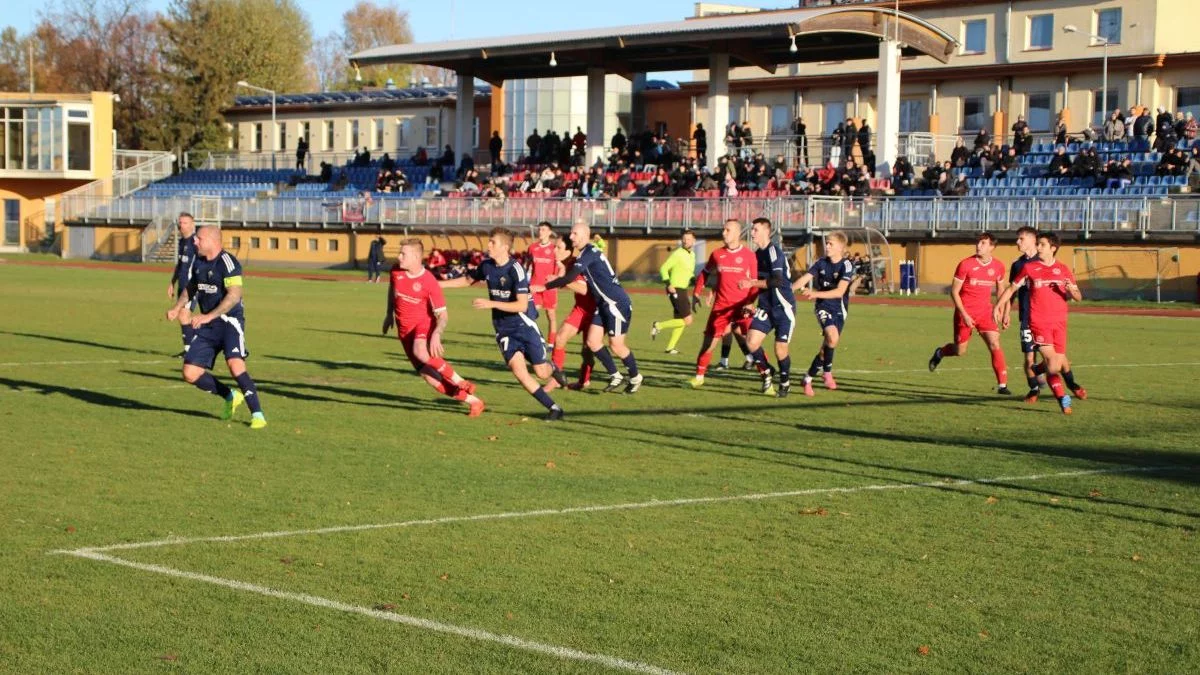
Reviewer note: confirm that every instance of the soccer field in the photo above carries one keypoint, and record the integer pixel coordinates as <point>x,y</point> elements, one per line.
<point>907,521</point>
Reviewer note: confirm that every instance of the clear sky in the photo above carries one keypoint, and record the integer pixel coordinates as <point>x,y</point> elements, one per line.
<point>436,20</point>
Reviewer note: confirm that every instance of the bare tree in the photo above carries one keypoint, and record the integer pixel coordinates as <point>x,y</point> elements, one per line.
<point>327,60</point>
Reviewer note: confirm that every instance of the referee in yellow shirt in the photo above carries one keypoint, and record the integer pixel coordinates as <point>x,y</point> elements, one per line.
<point>677,273</point>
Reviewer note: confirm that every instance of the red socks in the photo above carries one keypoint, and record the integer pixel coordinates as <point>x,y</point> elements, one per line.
<point>702,363</point>
<point>999,367</point>
<point>1056,385</point>
<point>559,357</point>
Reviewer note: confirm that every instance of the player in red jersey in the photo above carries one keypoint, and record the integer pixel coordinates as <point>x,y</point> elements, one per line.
<point>543,264</point>
<point>1051,284</point>
<point>732,306</point>
<point>417,308</point>
<point>974,280</point>
<point>579,318</point>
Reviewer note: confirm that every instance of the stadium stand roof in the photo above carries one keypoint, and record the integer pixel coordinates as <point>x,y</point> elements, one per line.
<point>760,39</point>
<point>364,97</point>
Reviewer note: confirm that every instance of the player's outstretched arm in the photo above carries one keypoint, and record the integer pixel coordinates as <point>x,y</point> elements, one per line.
<point>804,280</point>
<point>831,294</point>
<point>457,282</point>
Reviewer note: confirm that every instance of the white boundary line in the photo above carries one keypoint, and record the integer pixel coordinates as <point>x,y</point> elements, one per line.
<point>98,554</point>
<point>412,621</point>
<point>599,508</point>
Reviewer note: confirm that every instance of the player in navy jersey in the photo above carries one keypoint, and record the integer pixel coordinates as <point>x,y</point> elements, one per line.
<point>216,286</point>
<point>831,277</point>
<point>1027,246</point>
<point>185,255</point>
<point>776,307</point>
<point>514,318</point>
<point>613,308</point>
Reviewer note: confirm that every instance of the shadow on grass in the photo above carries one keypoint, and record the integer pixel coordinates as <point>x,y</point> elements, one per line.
<point>85,343</point>
<point>870,470</point>
<point>370,335</point>
<point>95,397</point>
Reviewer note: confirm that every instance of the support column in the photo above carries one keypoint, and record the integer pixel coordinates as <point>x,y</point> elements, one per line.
<point>464,117</point>
<point>595,115</point>
<point>887,123</point>
<point>637,105</point>
<point>718,106</point>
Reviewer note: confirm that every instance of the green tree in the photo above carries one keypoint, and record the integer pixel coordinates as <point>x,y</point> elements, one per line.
<point>207,47</point>
<point>368,25</point>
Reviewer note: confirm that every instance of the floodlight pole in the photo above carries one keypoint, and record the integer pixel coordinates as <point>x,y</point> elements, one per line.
<point>274,127</point>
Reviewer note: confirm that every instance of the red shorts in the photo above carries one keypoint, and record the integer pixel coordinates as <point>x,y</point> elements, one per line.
<point>719,320</point>
<point>409,338</point>
<point>984,323</point>
<point>546,299</point>
<point>580,317</point>
<point>1050,334</point>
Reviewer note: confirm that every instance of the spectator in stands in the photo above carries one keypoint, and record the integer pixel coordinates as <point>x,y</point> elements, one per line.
<point>1060,131</point>
<point>852,182</point>
<point>849,138</point>
<point>447,158</point>
<point>421,158</point>
<point>619,141</point>
<point>706,184</point>
<point>836,143</point>
<point>700,141</point>
<point>733,139</point>
<point>1190,127</point>
<point>1193,165</point>
<point>960,155</point>
<point>1021,136</point>
<point>1164,138</point>
<point>326,172</point>
<point>1006,162</point>
<point>467,164</point>
<point>375,260</point>
<point>301,153</point>
<point>800,139</point>
<point>1060,163</point>
<point>1173,163</point>
<point>534,144</point>
<point>827,179</point>
<point>956,186</point>
<point>747,141</point>
<point>362,158</point>
<point>1142,126</point>
<point>864,142</point>
<point>386,163</point>
<point>1114,127</point>
<point>495,145</point>
<point>902,173</point>
<point>982,140</point>
<point>1119,175</point>
<point>579,140</point>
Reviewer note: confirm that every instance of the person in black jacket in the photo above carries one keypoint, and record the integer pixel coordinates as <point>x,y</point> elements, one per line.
<point>495,146</point>
<point>700,140</point>
<point>1021,135</point>
<point>1060,164</point>
<point>375,260</point>
<point>800,131</point>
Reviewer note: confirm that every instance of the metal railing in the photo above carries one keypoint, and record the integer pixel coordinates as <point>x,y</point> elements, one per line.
<point>1083,214</point>
<point>134,170</point>
<point>155,235</point>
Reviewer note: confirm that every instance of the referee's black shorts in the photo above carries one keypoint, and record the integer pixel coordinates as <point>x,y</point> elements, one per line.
<point>680,303</point>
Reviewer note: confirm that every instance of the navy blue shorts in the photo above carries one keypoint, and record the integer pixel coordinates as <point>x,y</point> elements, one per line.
<point>614,316</point>
<point>780,318</point>
<point>525,340</point>
<point>1028,346</point>
<point>223,334</point>
<point>828,317</point>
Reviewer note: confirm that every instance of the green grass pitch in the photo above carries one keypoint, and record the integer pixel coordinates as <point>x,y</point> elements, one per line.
<point>908,521</point>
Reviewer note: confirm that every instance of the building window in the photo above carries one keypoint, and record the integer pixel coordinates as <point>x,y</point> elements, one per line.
<point>1038,114</point>
<point>835,114</point>
<point>332,245</point>
<point>431,132</point>
<point>328,135</point>
<point>304,133</point>
<point>257,145</point>
<point>974,36</point>
<point>378,124</point>
<point>1108,24</point>
<point>781,119</point>
<point>235,242</point>
<point>312,244</point>
<point>913,118</point>
<point>1041,32</point>
<point>273,243</point>
<point>255,242</point>
<point>282,136</point>
<point>974,113</point>
<point>1102,106</point>
<point>475,133</point>
<point>79,146</point>
<point>353,135</point>
<point>400,136</point>
<point>1187,100</point>
<point>293,244</point>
